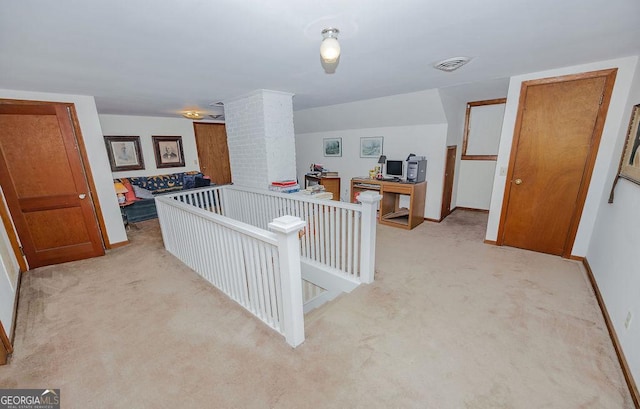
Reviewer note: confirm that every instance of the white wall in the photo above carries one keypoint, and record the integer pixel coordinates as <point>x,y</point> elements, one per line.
<point>96,153</point>
<point>485,125</point>
<point>475,184</point>
<point>416,108</point>
<point>476,176</point>
<point>279,135</point>
<point>599,181</point>
<point>399,141</point>
<point>613,250</point>
<point>454,108</point>
<point>9,271</point>
<point>410,123</point>
<point>145,127</point>
<point>260,137</point>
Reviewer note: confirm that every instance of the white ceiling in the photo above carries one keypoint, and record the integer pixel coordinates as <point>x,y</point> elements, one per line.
<point>143,57</point>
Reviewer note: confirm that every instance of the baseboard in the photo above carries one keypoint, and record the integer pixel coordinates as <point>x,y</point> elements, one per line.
<point>626,371</point>
<point>5,345</point>
<point>493,242</point>
<point>432,220</point>
<point>471,209</point>
<point>4,352</point>
<point>118,244</point>
<point>12,331</point>
<point>4,340</point>
<point>449,214</point>
<point>576,258</point>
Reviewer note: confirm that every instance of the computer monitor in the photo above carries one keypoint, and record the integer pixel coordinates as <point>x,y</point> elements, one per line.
<point>394,168</point>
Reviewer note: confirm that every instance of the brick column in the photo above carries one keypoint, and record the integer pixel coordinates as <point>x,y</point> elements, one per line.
<point>261,138</point>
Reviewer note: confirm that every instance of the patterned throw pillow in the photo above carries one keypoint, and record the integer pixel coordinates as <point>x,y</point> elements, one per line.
<point>142,193</point>
<point>139,181</point>
<point>188,182</point>
<point>130,196</point>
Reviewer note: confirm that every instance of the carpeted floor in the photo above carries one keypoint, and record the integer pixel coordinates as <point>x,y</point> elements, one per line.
<point>450,322</point>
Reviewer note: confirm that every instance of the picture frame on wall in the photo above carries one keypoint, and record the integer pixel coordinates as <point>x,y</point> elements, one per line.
<point>124,153</point>
<point>630,163</point>
<point>371,147</point>
<point>168,151</point>
<point>332,146</point>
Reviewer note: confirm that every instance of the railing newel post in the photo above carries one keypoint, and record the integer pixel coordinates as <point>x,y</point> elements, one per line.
<point>369,202</point>
<point>287,228</point>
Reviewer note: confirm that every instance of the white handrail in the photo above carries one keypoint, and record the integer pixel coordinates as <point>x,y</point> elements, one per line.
<point>249,263</point>
<point>258,269</point>
<point>336,235</point>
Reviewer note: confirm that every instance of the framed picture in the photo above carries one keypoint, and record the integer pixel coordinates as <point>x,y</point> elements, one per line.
<point>630,164</point>
<point>371,147</point>
<point>124,153</point>
<point>168,150</point>
<point>332,146</point>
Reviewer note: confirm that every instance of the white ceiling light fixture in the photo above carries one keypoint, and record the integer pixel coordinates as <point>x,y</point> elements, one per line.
<point>451,64</point>
<point>330,47</point>
<point>192,115</point>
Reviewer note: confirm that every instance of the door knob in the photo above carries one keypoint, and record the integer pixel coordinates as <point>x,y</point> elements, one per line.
<point>518,181</point>
<point>82,196</point>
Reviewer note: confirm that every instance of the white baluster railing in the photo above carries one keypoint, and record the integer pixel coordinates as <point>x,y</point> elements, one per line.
<point>337,235</point>
<point>220,232</point>
<point>258,269</point>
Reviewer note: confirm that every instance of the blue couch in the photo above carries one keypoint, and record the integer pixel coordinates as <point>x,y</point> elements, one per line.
<point>144,208</point>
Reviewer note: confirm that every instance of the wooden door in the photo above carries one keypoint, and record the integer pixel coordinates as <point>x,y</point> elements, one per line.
<point>45,185</point>
<point>213,152</point>
<point>449,171</point>
<point>556,139</point>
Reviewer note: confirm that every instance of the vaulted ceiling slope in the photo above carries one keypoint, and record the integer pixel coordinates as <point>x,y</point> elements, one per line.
<point>158,58</point>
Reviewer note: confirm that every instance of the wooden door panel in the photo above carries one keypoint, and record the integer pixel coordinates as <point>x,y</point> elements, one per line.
<point>45,186</point>
<point>550,162</point>
<point>213,152</point>
<point>36,137</point>
<point>33,204</point>
<point>56,228</point>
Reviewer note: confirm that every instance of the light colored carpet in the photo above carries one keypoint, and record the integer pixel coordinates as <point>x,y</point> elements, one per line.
<point>450,322</point>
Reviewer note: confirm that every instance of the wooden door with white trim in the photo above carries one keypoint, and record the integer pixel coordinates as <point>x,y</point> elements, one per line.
<point>213,151</point>
<point>45,185</point>
<point>556,139</point>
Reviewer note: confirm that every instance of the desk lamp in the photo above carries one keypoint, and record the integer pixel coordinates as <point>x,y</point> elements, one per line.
<point>120,191</point>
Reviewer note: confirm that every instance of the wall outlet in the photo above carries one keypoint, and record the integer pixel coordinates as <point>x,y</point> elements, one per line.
<point>627,322</point>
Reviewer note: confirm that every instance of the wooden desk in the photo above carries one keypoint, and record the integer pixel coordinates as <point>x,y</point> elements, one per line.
<point>330,183</point>
<point>390,212</point>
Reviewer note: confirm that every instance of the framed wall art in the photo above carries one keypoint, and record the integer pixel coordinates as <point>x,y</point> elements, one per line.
<point>630,165</point>
<point>332,146</point>
<point>371,147</point>
<point>124,153</point>
<point>168,151</point>
<point>629,168</point>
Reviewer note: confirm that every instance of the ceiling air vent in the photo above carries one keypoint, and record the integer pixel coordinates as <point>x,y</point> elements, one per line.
<point>451,64</point>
